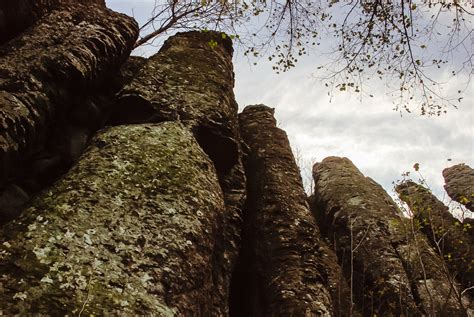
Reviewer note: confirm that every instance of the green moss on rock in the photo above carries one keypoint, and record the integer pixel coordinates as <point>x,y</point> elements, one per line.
<point>129,230</point>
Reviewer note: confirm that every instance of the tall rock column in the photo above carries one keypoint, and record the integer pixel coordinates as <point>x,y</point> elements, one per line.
<point>191,80</point>
<point>452,239</point>
<point>45,74</point>
<point>131,230</point>
<point>459,185</point>
<point>285,268</point>
<point>392,269</point>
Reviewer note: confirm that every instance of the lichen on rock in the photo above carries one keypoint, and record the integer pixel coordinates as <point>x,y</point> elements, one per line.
<point>451,238</point>
<point>459,185</point>
<point>393,268</point>
<point>191,81</point>
<point>66,56</point>
<point>129,230</point>
<point>285,269</point>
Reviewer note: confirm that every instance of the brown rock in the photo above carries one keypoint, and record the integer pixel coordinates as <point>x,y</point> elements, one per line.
<point>65,57</point>
<point>12,201</point>
<point>451,238</point>
<point>191,81</point>
<point>128,71</point>
<point>285,268</point>
<point>393,270</point>
<point>125,232</point>
<point>17,15</point>
<point>459,185</point>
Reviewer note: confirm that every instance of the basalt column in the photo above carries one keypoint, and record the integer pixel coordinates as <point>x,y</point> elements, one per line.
<point>130,230</point>
<point>451,238</point>
<point>191,80</point>
<point>285,268</point>
<point>392,268</point>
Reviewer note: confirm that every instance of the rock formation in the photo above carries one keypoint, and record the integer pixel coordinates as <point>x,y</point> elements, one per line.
<point>286,269</point>
<point>459,181</point>
<point>112,236</point>
<point>393,270</point>
<point>149,219</point>
<point>17,15</point>
<point>48,75</point>
<point>190,81</point>
<point>451,238</point>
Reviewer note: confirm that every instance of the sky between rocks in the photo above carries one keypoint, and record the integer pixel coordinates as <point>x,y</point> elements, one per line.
<point>382,143</point>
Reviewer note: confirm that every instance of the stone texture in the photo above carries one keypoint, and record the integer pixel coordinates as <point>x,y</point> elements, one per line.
<point>392,268</point>
<point>17,15</point>
<point>451,238</point>
<point>49,71</point>
<point>191,81</point>
<point>188,80</point>
<point>285,268</point>
<point>130,230</point>
<point>459,185</point>
<point>128,71</point>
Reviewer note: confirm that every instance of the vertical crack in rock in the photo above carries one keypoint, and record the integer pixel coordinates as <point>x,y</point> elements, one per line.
<point>47,76</point>
<point>130,230</point>
<point>285,268</point>
<point>459,185</point>
<point>392,267</point>
<point>17,15</point>
<point>451,238</point>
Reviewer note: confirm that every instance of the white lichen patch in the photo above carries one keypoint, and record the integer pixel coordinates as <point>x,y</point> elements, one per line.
<point>111,241</point>
<point>87,239</point>
<point>20,295</point>
<point>47,279</point>
<point>42,254</point>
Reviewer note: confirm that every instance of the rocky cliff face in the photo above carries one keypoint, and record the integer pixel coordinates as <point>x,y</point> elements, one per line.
<point>131,186</point>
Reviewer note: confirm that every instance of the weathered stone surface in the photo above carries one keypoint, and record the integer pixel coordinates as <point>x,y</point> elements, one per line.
<point>128,71</point>
<point>393,270</point>
<point>50,70</point>
<point>285,268</point>
<point>130,230</point>
<point>459,185</point>
<point>12,200</point>
<point>17,15</point>
<point>191,82</point>
<point>188,80</point>
<point>451,238</point>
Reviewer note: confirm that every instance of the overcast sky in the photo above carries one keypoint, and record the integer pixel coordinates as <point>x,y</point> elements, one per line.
<point>381,143</point>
